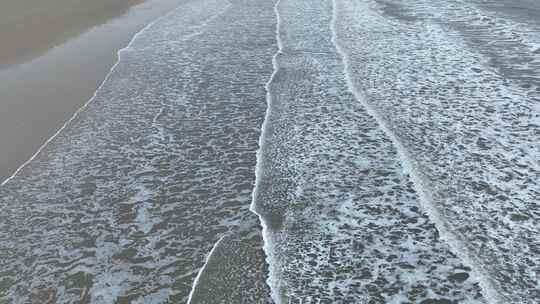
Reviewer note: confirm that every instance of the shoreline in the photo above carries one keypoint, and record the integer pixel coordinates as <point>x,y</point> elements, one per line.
<point>38,96</point>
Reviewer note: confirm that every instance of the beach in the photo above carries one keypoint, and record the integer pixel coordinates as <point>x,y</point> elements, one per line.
<point>54,55</point>
<point>285,151</point>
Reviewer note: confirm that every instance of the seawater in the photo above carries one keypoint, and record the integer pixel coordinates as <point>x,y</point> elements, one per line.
<point>389,150</point>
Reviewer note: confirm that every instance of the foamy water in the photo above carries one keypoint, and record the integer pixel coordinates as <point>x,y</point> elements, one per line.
<point>126,202</point>
<point>389,150</point>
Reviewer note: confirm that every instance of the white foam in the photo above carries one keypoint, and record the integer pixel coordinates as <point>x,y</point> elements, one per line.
<point>197,278</point>
<point>426,199</point>
<point>267,246</point>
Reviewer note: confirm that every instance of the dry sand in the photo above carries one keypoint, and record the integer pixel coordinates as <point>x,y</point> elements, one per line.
<point>53,56</point>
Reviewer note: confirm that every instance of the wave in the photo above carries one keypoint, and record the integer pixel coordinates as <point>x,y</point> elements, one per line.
<point>425,197</point>
<point>454,114</point>
<point>335,202</point>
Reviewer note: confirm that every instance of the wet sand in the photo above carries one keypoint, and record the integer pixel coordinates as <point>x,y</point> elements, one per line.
<point>53,56</point>
<point>29,28</point>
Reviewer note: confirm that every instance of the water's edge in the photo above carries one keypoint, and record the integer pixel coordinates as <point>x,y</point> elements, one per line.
<point>85,105</point>
<point>409,165</point>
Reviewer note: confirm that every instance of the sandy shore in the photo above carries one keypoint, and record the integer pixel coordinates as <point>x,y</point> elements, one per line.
<point>53,56</point>
<point>29,28</point>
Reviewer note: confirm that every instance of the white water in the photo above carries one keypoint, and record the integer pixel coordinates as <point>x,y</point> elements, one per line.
<point>85,105</point>
<point>312,132</point>
<point>272,279</point>
<point>196,281</point>
<point>410,166</point>
<point>139,186</point>
<point>339,163</point>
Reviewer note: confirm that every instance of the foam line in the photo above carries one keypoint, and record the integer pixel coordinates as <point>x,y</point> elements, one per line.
<point>84,106</point>
<point>197,278</point>
<point>267,244</point>
<point>425,197</point>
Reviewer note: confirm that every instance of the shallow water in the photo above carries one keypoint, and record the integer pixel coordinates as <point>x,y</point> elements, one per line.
<point>344,220</point>
<point>125,204</point>
<point>398,162</point>
<point>463,103</point>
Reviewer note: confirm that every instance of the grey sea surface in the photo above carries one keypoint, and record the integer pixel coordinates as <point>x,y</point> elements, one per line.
<point>324,151</point>
<point>458,86</point>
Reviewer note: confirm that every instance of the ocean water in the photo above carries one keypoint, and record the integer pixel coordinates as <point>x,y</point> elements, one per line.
<point>458,88</point>
<point>127,201</point>
<point>324,151</point>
